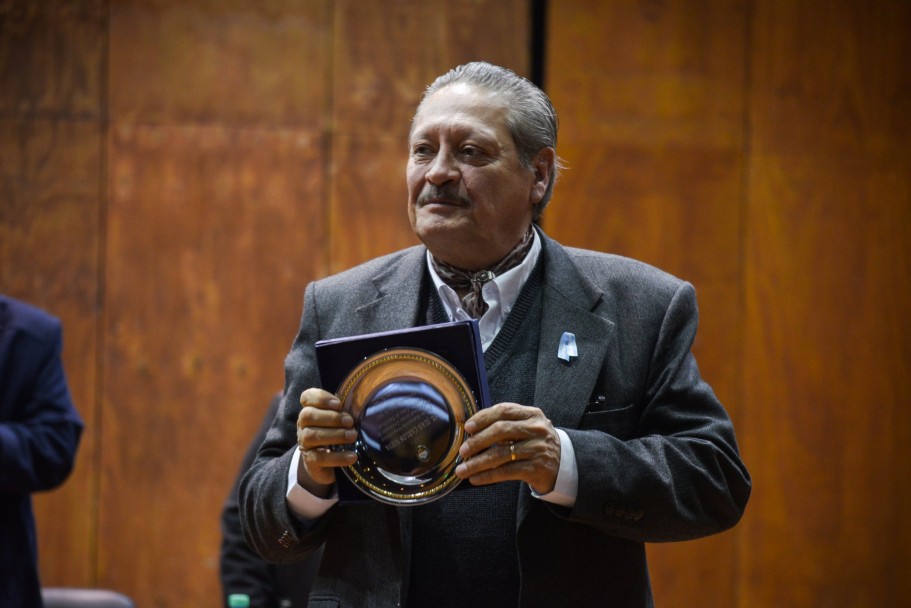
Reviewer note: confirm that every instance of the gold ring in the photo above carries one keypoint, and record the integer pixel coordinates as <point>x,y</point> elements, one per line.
<point>512,451</point>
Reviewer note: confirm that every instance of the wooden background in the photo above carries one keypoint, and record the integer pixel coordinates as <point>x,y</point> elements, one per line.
<point>172,174</point>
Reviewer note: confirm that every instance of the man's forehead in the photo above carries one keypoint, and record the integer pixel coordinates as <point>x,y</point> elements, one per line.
<point>460,106</point>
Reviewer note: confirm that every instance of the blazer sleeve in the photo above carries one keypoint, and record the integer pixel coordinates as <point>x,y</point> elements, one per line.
<point>270,528</point>
<point>39,425</point>
<point>664,466</point>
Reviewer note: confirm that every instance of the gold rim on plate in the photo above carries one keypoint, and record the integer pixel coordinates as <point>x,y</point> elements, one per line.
<point>409,407</point>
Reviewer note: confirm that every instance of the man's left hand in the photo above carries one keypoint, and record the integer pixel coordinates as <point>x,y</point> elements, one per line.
<point>509,441</point>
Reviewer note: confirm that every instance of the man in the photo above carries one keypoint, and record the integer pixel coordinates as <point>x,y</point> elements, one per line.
<point>39,436</point>
<point>582,458</point>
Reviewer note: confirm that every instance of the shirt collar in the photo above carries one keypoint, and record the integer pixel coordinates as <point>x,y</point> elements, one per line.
<point>500,293</point>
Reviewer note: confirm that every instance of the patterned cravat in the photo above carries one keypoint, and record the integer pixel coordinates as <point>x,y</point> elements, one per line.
<point>465,280</point>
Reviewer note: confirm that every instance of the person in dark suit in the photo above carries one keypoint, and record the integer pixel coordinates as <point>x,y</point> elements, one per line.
<point>603,436</point>
<point>241,570</point>
<point>39,436</point>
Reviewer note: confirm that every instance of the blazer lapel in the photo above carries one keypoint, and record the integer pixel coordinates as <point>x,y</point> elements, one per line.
<point>570,304</point>
<point>397,301</point>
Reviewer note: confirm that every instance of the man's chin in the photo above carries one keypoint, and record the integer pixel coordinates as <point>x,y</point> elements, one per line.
<point>446,223</point>
<point>443,236</point>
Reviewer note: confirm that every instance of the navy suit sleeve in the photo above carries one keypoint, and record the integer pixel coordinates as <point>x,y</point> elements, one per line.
<point>39,426</point>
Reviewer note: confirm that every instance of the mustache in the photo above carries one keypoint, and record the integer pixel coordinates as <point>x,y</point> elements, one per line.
<point>434,193</point>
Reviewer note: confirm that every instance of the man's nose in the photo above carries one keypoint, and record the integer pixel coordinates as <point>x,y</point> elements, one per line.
<point>442,169</point>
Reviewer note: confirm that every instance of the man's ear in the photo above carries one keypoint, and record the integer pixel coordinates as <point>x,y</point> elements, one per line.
<point>542,166</point>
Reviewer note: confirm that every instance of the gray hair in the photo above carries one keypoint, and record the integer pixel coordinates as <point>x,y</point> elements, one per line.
<point>530,117</point>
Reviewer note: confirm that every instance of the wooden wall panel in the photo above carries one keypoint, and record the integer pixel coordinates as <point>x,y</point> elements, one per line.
<point>830,80</point>
<point>828,288</point>
<point>220,61</point>
<point>50,205</point>
<point>827,341</point>
<point>50,58</point>
<point>651,104</point>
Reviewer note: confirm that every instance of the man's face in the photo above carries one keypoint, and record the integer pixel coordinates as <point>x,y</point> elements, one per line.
<point>470,200</point>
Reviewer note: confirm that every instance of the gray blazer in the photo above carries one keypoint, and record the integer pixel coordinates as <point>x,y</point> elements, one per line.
<point>656,452</point>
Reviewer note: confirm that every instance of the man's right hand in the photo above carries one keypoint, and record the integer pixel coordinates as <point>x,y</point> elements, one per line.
<point>321,425</point>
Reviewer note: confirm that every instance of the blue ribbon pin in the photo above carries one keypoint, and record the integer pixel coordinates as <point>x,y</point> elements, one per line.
<point>567,350</point>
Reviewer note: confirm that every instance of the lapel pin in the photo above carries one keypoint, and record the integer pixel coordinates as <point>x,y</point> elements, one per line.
<point>567,350</point>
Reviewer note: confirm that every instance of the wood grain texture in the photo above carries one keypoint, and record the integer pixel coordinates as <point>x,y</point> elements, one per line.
<point>50,58</point>
<point>217,221</point>
<point>258,64</point>
<point>211,241</point>
<point>649,73</point>
<point>831,79</point>
<point>827,387</point>
<point>827,293</point>
<point>813,347</point>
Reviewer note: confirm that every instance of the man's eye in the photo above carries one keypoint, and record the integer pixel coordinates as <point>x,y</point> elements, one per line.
<point>421,151</point>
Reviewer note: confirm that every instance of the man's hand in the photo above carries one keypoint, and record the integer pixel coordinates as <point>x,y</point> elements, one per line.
<point>320,425</point>
<point>511,441</point>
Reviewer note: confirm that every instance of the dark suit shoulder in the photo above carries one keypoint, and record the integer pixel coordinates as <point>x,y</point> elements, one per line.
<point>378,295</point>
<point>20,317</point>
<point>623,275</point>
<point>366,271</point>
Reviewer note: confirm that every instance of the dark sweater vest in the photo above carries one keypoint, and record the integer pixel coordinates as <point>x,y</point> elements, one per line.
<point>464,544</point>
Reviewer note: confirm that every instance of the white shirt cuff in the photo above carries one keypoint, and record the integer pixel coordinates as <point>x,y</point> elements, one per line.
<point>567,486</point>
<point>301,502</point>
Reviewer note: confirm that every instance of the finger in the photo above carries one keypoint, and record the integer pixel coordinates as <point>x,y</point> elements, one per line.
<point>311,437</point>
<point>499,463</point>
<point>500,432</point>
<point>317,417</point>
<point>318,398</point>
<point>325,457</point>
<point>501,411</point>
<point>496,456</point>
<point>320,464</point>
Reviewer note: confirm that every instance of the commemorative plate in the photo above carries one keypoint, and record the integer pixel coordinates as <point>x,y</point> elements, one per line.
<point>409,407</point>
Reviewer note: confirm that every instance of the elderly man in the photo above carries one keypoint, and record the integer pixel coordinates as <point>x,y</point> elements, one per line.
<point>577,464</point>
